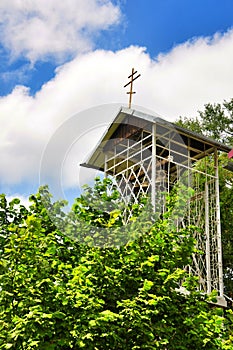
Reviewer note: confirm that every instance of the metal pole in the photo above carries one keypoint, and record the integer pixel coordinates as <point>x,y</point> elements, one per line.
<point>218,225</point>
<point>207,232</point>
<point>153,172</point>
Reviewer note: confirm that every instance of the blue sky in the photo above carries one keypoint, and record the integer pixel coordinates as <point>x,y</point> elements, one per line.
<point>60,59</point>
<point>158,25</point>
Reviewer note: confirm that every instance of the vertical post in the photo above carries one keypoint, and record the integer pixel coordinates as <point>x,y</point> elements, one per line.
<point>114,161</point>
<point>218,225</point>
<point>105,165</point>
<point>153,172</point>
<point>189,181</point>
<point>207,233</point>
<point>127,169</point>
<point>169,163</point>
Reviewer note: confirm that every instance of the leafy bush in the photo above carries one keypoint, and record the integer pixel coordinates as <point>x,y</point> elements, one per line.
<point>58,292</point>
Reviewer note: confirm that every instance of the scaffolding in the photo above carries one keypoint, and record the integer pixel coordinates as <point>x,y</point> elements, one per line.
<point>147,155</point>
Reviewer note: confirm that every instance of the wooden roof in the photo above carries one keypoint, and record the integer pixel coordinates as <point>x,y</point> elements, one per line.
<point>128,122</point>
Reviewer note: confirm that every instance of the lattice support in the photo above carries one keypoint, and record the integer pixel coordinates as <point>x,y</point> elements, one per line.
<point>148,156</point>
<point>144,167</point>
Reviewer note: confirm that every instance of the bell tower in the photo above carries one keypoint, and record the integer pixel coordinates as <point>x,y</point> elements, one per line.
<point>147,155</point>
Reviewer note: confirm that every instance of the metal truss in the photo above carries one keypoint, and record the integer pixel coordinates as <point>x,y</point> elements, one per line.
<point>146,155</point>
<point>152,163</point>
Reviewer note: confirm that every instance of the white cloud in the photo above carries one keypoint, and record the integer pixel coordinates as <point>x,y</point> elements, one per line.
<point>178,83</point>
<point>191,75</point>
<point>38,29</point>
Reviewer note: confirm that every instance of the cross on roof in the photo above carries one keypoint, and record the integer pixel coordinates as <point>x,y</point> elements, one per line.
<point>132,78</point>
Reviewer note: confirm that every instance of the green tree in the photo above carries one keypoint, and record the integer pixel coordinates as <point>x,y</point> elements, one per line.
<point>58,293</point>
<point>216,121</point>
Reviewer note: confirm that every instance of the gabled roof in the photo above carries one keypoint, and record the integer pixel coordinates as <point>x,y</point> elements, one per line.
<point>198,145</point>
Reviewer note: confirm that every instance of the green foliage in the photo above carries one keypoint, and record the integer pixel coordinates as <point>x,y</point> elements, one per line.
<point>215,121</point>
<point>58,293</point>
<point>102,216</point>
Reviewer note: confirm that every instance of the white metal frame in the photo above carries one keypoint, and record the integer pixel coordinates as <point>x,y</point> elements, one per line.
<point>153,164</point>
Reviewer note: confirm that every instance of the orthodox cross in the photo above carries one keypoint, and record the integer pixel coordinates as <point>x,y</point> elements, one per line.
<point>132,78</point>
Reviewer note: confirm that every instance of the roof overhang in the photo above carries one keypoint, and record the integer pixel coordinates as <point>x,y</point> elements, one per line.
<point>202,144</point>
